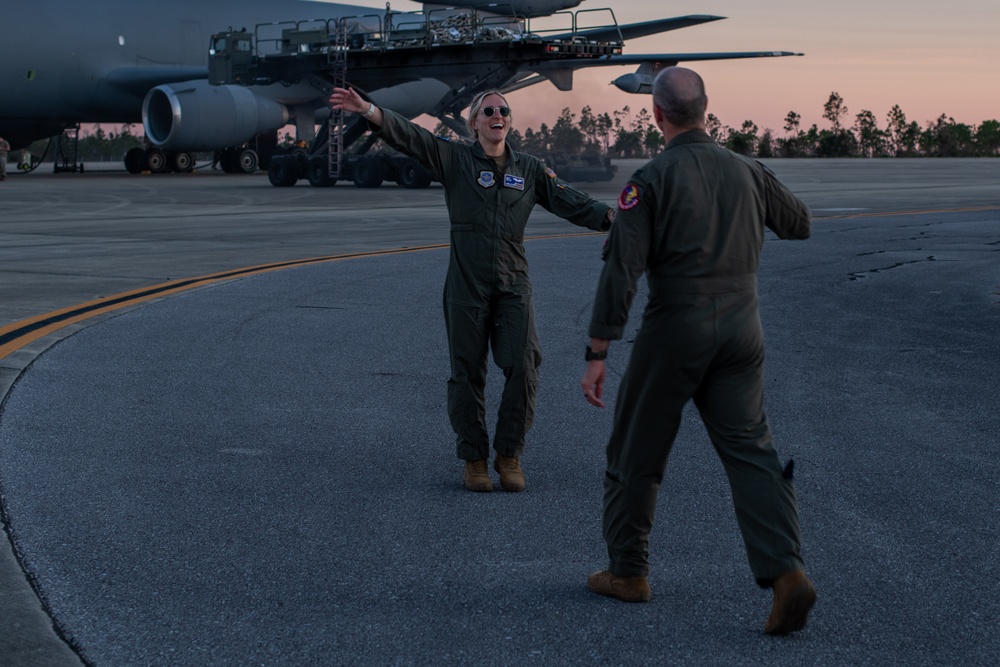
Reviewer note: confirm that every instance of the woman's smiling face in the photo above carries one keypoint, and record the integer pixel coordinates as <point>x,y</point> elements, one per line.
<point>492,129</point>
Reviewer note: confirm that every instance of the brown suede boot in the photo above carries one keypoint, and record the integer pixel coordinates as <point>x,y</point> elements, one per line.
<point>626,589</point>
<point>477,476</point>
<point>794,596</point>
<point>511,475</point>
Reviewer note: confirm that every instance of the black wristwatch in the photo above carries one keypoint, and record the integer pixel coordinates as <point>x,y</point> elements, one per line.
<point>595,356</point>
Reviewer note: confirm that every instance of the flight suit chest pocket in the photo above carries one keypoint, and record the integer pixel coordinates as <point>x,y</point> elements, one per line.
<point>469,208</point>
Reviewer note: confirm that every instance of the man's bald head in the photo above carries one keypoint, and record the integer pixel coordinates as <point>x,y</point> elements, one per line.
<point>680,95</point>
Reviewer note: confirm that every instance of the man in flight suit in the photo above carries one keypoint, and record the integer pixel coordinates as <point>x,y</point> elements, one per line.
<point>693,220</point>
<point>490,190</point>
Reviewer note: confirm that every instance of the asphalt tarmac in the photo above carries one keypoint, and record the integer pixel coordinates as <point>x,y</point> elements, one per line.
<point>215,453</point>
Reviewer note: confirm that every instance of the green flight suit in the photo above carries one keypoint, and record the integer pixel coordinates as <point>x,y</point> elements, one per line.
<point>693,220</point>
<point>487,293</point>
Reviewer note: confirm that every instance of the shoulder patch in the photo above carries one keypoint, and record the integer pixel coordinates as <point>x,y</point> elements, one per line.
<point>629,197</point>
<point>550,173</point>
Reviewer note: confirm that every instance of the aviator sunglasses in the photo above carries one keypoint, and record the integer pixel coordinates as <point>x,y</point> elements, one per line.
<point>489,111</point>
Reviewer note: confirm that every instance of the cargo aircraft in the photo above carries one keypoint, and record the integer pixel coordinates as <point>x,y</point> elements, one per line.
<point>66,62</point>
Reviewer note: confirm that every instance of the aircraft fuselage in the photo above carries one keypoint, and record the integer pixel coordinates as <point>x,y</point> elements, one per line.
<point>63,62</point>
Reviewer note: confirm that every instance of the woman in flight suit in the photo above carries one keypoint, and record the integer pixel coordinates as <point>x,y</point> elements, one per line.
<point>490,190</point>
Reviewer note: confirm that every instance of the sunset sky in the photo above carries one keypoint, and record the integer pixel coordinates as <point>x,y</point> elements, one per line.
<point>930,58</point>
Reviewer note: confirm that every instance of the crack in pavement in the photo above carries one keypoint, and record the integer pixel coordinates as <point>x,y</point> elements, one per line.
<point>858,275</point>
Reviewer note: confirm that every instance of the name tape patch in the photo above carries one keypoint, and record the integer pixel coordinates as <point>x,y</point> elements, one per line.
<point>511,181</point>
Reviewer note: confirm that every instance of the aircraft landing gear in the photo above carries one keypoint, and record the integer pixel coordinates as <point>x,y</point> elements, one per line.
<point>238,160</point>
<point>182,162</point>
<point>157,161</point>
<point>248,161</point>
<point>135,160</point>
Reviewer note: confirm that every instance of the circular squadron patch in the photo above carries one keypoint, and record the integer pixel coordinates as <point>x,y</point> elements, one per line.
<point>629,197</point>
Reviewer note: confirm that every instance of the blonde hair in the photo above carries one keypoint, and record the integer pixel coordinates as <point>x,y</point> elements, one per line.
<point>477,104</point>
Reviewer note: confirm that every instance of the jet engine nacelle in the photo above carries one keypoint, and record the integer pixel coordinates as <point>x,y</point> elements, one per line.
<point>635,83</point>
<point>197,116</point>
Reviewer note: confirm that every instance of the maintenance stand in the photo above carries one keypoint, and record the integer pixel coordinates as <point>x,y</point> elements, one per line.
<point>469,50</point>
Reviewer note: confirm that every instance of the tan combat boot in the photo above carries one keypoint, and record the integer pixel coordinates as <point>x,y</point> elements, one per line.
<point>626,589</point>
<point>511,475</point>
<point>794,596</point>
<point>477,476</point>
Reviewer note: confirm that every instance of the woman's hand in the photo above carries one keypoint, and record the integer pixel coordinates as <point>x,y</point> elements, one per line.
<point>348,100</point>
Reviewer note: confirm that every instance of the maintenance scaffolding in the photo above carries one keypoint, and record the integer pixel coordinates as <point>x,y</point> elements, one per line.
<point>490,49</point>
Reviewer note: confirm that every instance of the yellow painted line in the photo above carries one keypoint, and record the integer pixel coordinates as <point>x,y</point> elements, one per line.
<point>15,336</point>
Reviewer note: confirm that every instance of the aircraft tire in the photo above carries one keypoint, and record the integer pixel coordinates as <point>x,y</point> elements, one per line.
<point>369,172</point>
<point>157,161</point>
<point>282,171</point>
<point>135,160</point>
<point>412,175</point>
<point>227,160</point>
<point>247,161</point>
<point>182,162</point>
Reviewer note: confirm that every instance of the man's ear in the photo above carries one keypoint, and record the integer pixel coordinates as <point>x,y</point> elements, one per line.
<point>660,118</point>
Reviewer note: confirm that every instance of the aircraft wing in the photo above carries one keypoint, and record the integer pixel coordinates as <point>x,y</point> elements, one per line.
<point>636,30</point>
<point>668,59</point>
<point>139,80</point>
<point>560,73</point>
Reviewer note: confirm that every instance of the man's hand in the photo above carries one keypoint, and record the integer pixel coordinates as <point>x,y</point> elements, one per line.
<point>593,383</point>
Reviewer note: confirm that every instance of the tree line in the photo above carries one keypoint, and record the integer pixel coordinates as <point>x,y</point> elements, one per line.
<point>622,134</point>
<point>101,146</point>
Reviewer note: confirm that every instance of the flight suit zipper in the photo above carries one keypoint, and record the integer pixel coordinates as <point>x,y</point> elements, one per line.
<point>497,229</point>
